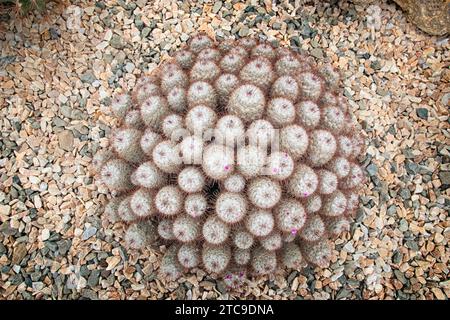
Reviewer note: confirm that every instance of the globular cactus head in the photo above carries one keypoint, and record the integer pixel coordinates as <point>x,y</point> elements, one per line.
<point>240,156</point>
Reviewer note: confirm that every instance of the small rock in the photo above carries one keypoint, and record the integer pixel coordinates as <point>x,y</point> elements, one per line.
<point>19,253</point>
<point>64,246</point>
<point>372,169</point>
<point>291,277</point>
<point>138,23</point>
<point>89,232</point>
<point>4,210</point>
<point>38,286</point>
<point>100,4</point>
<point>412,245</point>
<point>122,3</point>
<point>405,193</point>
<point>400,276</point>
<point>54,33</point>
<point>307,31</point>
<point>243,31</point>
<point>445,177</point>
<point>116,42</point>
<point>45,234</point>
<point>2,249</point>
<point>181,292</point>
<point>397,257</point>
<point>145,32</point>
<point>217,6</point>
<point>411,167</point>
<point>422,113</point>
<point>317,53</point>
<point>445,99</point>
<point>58,122</point>
<point>52,246</point>
<point>6,229</point>
<point>89,294</point>
<point>129,67</point>
<point>66,140</point>
<point>93,278</point>
<point>403,226</point>
<point>66,111</point>
<point>88,77</point>
<point>276,26</point>
<point>376,65</point>
<point>343,293</point>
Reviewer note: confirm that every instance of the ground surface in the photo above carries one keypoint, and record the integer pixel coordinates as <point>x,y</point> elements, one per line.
<point>58,75</point>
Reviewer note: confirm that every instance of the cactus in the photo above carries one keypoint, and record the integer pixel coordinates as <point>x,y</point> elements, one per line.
<point>240,156</point>
<point>23,7</point>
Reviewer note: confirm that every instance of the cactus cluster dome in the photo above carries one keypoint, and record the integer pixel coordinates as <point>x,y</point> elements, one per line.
<point>239,156</point>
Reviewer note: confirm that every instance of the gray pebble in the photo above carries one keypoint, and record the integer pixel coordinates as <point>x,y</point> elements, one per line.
<point>221,287</point>
<point>408,153</point>
<point>400,276</point>
<point>412,245</point>
<point>402,295</point>
<point>89,294</point>
<point>84,271</point>
<point>16,279</point>
<point>129,67</point>
<point>397,257</point>
<point>6,229</point>
<point>422,113</point>
<point>372,169</point>
<point>243,31</point>
<point>116,42</point>
<point>88,77</point>
<point>317,53</point>
<point>353,283</point>
<point>123,253</point>
<point>52,246</point>
<point>343,293</point>
<point>66,111</point>
<point>122,4</point>
<point>217,6</point>
<point>376,65</point>
<point>445,99</point>
<point>93,278</point>
<point>145,32</point>
<point>35,276</point>
<point>100,4</point>
<point>403,225</point>
<point>405,193</point>
<point>307,31</point>
<point>445,177</point>
<point>132,6</point>
<point>58,122</point>
<point>411,167</point>
<point>2,249</point>
<point>292,276</point>
<point>110,280</point>
<point>139,23</point>
<point>89,232</point>
<point>54,33</point>
<point>64,246</point>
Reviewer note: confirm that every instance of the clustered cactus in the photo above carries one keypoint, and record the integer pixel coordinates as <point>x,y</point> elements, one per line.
<point>242,157</point>
<point>25,6</point>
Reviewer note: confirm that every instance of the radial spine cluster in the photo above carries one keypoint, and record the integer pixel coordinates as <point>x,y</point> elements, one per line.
<point>240,156</point>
